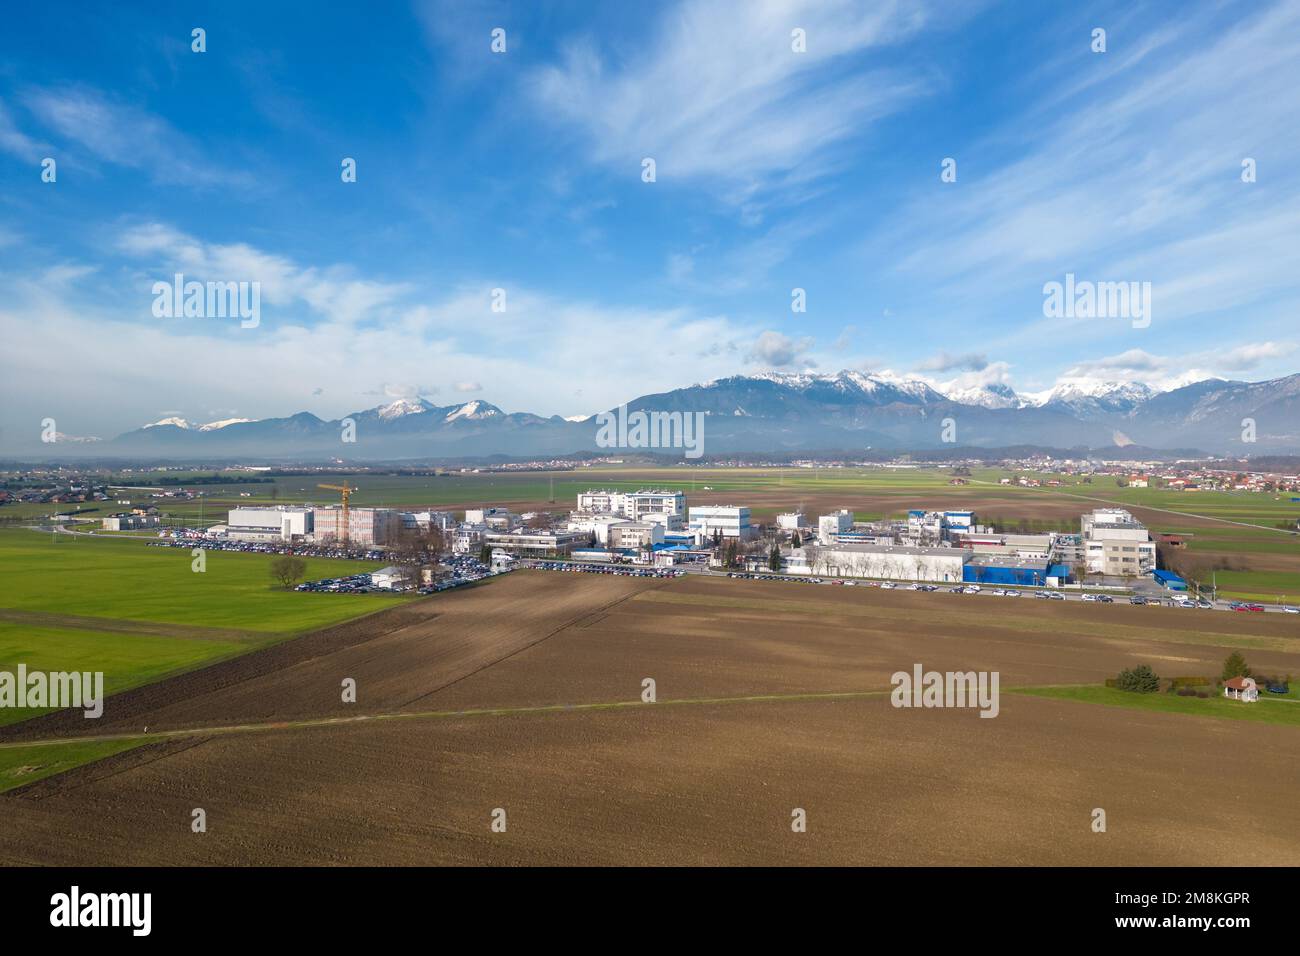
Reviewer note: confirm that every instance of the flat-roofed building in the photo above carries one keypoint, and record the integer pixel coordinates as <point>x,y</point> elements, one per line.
<point>270,524</point>
<point>794,521</point>
<point>1116,543</point>
<point>831,526</point>
<point>878,561</point>
<point>729,521</point>
<point>533,542</point>
<point>366,527</point>
<point>635,535</point>
<point>667,508</point>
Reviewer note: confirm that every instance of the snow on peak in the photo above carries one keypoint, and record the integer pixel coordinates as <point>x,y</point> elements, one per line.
<point>1076,389</point>
<point>214,426</point>
<point>472,410</point>
<point>178,422</point>
<point>403,406</point>
<point>992,395</point>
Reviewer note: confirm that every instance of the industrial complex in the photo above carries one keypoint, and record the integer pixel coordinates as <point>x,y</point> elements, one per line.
<point>657,528</point>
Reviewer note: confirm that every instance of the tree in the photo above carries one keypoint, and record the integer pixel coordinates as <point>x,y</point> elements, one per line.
<point>1235,666</point>
<point>795,540</point>
<point>774,559</point>
<point>485,554</point>
<point>288,570</point>
<point>1141,679</point>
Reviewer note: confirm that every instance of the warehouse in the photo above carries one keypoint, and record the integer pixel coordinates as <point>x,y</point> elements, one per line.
<point>876,561</point>
<point>269,524</point>
<point>1020,572</point>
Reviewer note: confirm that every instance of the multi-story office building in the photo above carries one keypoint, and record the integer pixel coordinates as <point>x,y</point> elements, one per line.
<point>1116,543</point>
<point>366,527</point>
<point>831,526</point>
<point>635,535</point>
<point>731,521</point>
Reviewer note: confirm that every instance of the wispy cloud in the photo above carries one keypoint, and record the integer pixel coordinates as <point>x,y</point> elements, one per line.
<point>127,135</point>
<point>718,93</point>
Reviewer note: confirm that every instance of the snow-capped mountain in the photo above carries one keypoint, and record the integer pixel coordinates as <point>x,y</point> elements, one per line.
<point>403,406</point>
<point>779,412</point>
<point>1091,399</point>
<point>473,411</point>
<point>993,395</point>
<point>185,424</point>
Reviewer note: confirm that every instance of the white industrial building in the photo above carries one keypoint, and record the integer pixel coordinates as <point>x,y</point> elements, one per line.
<point>794,521</point>
<point>931,527</point>
<point>1114,542</point>
<point>392,576</point>
<point>424,520</point>
<point>532,542</point>
<point>831,526</point>
<point>877,561</point>
<point>270,524</point>
<point>596,524</point>
<point>730,521</point>
<point>498,519</point>
<point>635,535</point>
<point>667,508</point>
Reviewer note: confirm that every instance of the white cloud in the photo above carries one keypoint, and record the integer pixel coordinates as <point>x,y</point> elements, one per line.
<point>127,135</point>
<point>333,292</point>
<point>716,91</point>
<point>775,350</point>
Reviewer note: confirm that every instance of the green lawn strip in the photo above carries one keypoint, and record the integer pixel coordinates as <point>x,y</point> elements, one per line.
<point>104,577</point>
<point>126,660</point>
<point>1264,711</point>
<point>23,765</point>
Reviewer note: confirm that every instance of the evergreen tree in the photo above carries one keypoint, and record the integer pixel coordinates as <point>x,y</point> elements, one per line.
<point>1235,666</point>
<point>1141,679</point>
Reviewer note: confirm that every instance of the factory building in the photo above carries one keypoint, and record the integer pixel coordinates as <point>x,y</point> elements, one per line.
<point>794,521</point>
<point>635,535</point>
<point>667,508</point>
<point>730,521</point>
<point>1116,543</point>
<point>877,561</point>
<point>831,526</point>
<point>1019,572</point>
<point>130,522</point>
<point>424,520</point>
<point>533,543</point>
<point>932,527</point>
<point>367,527</point>
<point>498,519</point>
<point>595,524</point>
<point>468,538</point>
<point>270,524</point>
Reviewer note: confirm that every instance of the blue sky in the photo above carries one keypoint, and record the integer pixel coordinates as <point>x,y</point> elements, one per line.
<point>775,170</point>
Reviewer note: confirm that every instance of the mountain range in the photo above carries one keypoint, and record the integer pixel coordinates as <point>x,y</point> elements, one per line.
<point>774,413</point>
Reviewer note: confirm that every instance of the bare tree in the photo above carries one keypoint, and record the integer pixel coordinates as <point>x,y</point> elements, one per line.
<point>288,570</point>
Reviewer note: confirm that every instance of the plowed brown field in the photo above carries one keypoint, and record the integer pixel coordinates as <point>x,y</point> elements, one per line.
<point>551,665</point>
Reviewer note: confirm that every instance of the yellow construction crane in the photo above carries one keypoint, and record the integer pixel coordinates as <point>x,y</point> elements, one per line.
<point>345,493</point>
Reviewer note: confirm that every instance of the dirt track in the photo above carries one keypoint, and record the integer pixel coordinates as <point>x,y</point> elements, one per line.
<point>691,783</point>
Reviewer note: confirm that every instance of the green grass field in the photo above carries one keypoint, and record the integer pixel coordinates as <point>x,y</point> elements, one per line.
<point>1268,711</point>
<point>121,578</point>
<point>126,660</point>
<point>23,765</point>
<point>139,614</point>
